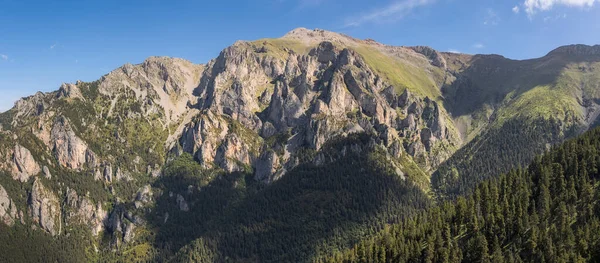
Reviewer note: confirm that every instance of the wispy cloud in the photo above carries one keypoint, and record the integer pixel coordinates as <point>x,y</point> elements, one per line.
<point>454,51</point>
<point>3,57</point>
<point>516,9</point>
<point>478,45</point>
<point>394,11</point>
<point>53,46</point>
<point>534,6</point>
<point>554,18</point>
<point>491,18</point>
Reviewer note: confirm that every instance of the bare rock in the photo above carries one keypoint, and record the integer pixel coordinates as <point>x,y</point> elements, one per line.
<point>433,55</point>
<point>30,106</point>
<point>68,90</point>
<point>8,210</point>
<point>129,232</point>
<point>266,166</point>
<point>325,52</point>
<point>108,173</point>
<point>143,196</point>
<point>182,204</point>
<point>83,211</point>
<point>70,151</point>
<point>44,208</point>
<point>232,154</point>
<point>24,166</point>
<point>47,173</point>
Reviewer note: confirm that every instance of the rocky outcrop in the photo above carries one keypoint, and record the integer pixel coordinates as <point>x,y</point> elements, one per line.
<point>233,154</point>
<point>182,204</point>
<point>46,172</point>
<point>44,208</point>
<point>436,58</point>
<point>203,136</point>
<point>327,92</point>
<point>68,90</point>
<point>70,151</point>
<point>24,165</point>
<point>213,143</point>
<point>30,106</point>
<point>161,85</point>
<point>121,225</point>
<point>143,197</point>
<point>82,211</point>
<point>266,166</point>
<point>8,209</point>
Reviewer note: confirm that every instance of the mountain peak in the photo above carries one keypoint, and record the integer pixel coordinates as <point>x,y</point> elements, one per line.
<point>579,50</point>
<point>318,35</point>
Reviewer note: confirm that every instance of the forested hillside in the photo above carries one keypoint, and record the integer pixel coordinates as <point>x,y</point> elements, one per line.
<point>311,211</point>
<point>495,151</point>
<point>547,212</point>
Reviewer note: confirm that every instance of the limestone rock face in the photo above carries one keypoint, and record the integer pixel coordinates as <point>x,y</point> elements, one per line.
<point>83,211</point>
<point>31,106</point>
<point>121,225</point>
<point>233,81</point>
<point>213,143</point>
<point>144,196</point>
<point>47,173</point>
<point>8,210</point>
<point>232,154</point>
<point>160,84</point>
<point>68,90</point>
<point>326,92</point>
<point>266,166</point>
<point>436,58</point>
<point>44,208</point>
<point>70,151</point>
<point>24,166</point>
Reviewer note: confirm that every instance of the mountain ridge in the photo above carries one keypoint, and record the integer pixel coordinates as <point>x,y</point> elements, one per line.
<point>302,32</point>
<point>436,123</point>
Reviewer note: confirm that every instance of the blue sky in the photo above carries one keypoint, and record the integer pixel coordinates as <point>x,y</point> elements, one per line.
<point>45,43</point>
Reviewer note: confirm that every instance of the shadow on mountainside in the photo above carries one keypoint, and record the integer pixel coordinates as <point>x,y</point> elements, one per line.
<point>487,79</point>
<point>310,211</point>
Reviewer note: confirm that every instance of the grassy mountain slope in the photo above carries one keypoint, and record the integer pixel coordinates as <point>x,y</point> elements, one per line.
<point>515,109</point>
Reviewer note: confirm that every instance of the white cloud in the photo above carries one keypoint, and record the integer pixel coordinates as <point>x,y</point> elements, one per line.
<point>454,51</point>
<point>3,57</point>
<point>394,11</point>
<point>53,46</point>
<point>534,6</point>
<point>555,18</point>
<point>516,9</point>
<point>491,18</point>
<point>478,46</point>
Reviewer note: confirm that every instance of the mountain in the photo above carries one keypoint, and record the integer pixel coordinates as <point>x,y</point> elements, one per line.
<point>509,111</point>
<point>547,212</point>
<point>278,149</point>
